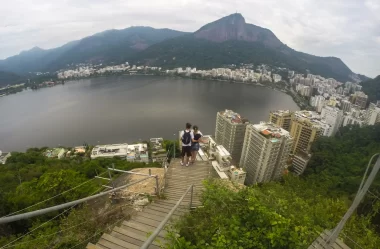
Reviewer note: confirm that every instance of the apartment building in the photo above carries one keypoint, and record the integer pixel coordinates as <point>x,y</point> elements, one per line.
<point>346,106</point>
<point>281,118</point>
<point>372,115</point>
<point>265,152</point>
<point>360,99</point>
<point>230,131</point>
<point>333,117</point>
<point>305,129</point>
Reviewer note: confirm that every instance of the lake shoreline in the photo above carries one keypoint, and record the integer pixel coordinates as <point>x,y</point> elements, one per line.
<point>106,110</point>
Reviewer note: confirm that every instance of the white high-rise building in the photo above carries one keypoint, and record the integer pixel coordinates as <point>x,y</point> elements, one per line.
<point>265,152</point>
<point>346,105</point>
<point>360,99</point>
<point>350,120</point>
<point>230,131</point>
<point>276,78</point>
<point>318,102</point>
<point>333,117</point>
<point>373,115</point>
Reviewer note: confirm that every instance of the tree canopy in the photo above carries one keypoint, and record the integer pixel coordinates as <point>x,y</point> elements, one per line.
<point>290,214</point>
<point>339,162</point>
<point>372,89</point>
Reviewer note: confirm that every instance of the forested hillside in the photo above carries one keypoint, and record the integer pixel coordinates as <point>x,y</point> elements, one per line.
<point>30,178</point>
<point>339,162</point>
<point>8,78</point>
<point>372,89</point>
<point>287,215</point>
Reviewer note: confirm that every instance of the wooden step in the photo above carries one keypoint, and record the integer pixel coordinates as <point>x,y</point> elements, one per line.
<point>146,221</point>
<point>185,202</point>
<point>168,207</point>
<point>159,213</point>
<point>162,209</point>
<point>137,235</point>
<point>171,205</point>
<point>141,227</point>
<point>183,186</point>
<point>186,174</point>
<point>115,243</point>
<point>139,232</point>
<point>179,196</point>
<point>183,182</point>
<point>150,216</point>
<point>135,238</point>
<point>180,193</point>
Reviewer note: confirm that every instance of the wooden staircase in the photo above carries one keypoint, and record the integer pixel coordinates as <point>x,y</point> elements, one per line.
<point>131,234</point>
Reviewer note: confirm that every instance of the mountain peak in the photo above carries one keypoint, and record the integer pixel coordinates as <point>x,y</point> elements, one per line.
<point>236,17</point>
<point>36,48</point>
<point>234,27</point>
<point>33,50</point>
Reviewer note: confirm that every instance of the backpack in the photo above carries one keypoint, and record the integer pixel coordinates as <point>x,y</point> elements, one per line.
<point>186,137</point>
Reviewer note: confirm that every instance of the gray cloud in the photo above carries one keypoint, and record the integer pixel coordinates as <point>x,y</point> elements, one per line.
<point>347,29</point>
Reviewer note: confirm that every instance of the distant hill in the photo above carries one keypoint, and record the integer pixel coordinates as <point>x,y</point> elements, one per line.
<point>108,46</point>
<point>363,77</point>
<point>231,40</point>
<point>8,78</point>
<point>372,89</point>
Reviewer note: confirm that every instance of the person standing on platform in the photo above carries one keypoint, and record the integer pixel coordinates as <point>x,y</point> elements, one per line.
<point>187,137</point>
<point>195,143</point>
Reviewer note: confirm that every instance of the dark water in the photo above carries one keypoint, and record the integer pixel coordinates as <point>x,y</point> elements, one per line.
<point>126,109</point>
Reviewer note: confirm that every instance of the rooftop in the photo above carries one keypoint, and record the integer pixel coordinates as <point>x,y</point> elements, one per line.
<point>331,108</point>
<point>110,150</point>
<point>53,152</point>
<point>234,117</point>
<point>236,170</point>
<point>281,113</point>
<point>271,131</point>
<point>310,118</point>
<point>360,94</point>
<point>156,140</point>
<point>222,151</point>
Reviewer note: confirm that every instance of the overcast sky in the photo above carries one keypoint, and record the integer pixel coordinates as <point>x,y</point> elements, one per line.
<point>348,29</point>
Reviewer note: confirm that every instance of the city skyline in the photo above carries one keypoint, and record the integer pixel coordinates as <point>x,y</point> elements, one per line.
<point>334,29</point>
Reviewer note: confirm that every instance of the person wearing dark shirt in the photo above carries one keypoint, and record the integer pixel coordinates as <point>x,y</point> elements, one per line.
<point>195,143</point>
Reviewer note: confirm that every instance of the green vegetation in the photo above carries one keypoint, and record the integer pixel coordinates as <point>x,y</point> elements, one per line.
<point>8,78</point>
<point>338,163</point>
<point>29,178</point>
<point>283,215</point>
<point>169,146</point>
<point>292,213</point>
<point>372,89</point>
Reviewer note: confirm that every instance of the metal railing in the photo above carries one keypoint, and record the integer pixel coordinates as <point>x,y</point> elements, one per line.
<point>62,206</point>
<point>151,238</point>
<point>165,165</point>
